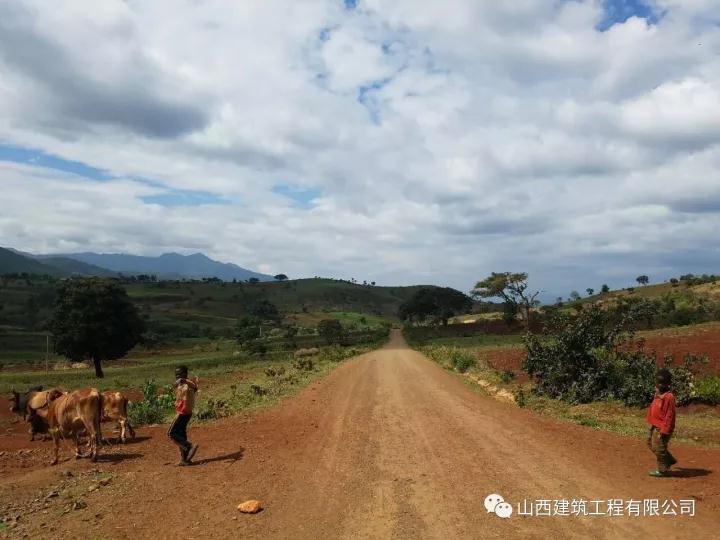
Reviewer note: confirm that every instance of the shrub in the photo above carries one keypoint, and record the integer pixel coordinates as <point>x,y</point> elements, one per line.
<point>507,376</point>
<point>303,364</point>
<point>707,390</point>
<point>331,330</point>
<point>257,346</point>
<point>585,358</point>
<point>275,372</point>
<point>154,407</point>
<point>212,409</point>
<point>683,381</point>
<point>462,360</point>
<point>258,390</point>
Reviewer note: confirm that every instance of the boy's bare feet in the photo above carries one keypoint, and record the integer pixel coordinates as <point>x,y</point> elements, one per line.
<point>191,453</point>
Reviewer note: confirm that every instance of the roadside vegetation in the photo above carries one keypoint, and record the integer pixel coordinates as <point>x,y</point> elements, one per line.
<point>586,363</point>
<point>251,359</point>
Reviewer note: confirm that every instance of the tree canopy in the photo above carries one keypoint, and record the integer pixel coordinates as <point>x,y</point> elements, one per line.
<point>331,330</point>
<point>512,287</point>
<point>94,319</point>
<point>438,303</point>
<point>264,310</point>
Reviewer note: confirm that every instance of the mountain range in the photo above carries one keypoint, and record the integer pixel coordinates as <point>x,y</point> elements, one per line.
<point>165,266</point>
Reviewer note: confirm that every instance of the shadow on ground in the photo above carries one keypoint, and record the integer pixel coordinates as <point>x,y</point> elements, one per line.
<point>232,457</point>
<point>688,473</point>
<point>118,457</point>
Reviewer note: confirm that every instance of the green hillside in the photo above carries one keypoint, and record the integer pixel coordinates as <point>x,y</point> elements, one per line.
<point>73,267</point>
<point>14,263</point>
<point>185,312</point>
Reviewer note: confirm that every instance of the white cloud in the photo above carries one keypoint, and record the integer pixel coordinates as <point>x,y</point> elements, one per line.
<point>446,140</point>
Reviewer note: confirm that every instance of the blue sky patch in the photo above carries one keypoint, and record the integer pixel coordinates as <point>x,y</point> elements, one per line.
<point>178,197</point>
<point>619,11</point>
<point>350,4</point>
<point>301,197</point>
<point>366,98</point>
<point>38,158</point>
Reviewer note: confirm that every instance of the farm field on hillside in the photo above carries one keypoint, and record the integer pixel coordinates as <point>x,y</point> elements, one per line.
<point>180,315</point>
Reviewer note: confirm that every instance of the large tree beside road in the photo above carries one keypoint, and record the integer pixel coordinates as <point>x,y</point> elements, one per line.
<point>94,320</point>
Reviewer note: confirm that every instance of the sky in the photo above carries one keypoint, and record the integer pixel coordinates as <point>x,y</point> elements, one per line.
<point>396,141</point>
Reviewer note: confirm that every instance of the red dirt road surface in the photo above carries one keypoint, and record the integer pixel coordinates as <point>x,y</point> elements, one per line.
<point>387,446</point>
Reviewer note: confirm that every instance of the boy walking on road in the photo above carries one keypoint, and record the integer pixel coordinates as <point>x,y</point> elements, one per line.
<point>661,417</point>
<point>184,402</point>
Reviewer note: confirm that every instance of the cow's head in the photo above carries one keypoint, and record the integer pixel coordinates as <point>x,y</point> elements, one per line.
<point>14,402</point>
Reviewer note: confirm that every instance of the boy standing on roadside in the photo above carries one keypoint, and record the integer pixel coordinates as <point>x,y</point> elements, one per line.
<point>661,417</point>
<point>184,402</point>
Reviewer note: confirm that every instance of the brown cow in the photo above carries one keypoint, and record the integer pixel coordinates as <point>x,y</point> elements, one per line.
<point>115,408</point>
<point>32,406</point>
<point>75,414</point>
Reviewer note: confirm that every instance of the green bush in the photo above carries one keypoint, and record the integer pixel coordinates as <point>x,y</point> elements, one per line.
<point>707,390</point>
<point>155,407</point>
<point>462,360</point>
<point>303,364</point>
<point>585,358</point>
<point>213,409</point>
<point>507,376</point>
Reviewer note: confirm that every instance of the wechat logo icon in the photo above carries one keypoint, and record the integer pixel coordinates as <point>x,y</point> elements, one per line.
<point>495,504</point>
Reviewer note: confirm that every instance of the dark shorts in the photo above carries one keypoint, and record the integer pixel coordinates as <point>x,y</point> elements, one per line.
<point>178,431</point>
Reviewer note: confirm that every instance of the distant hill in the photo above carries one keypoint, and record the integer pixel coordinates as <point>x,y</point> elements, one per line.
<point>12,262</point>
<point>167,266</point>
<point>74,267</point>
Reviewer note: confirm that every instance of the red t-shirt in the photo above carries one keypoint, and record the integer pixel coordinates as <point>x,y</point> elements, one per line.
<point>661,413</point>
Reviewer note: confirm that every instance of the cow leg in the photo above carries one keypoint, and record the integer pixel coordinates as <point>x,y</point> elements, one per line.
<point>78,453</point>
<point>92,440</point>
<point>123,427</point>
<point>56,442</point>
<point>130,429</point>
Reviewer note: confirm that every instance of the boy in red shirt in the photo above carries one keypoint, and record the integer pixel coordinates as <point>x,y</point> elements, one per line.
<point>661,417</point>
<point>184,402</point>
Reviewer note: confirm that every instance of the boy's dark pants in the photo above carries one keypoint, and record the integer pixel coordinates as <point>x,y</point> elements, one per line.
<point>178,433</point>
<point>659,446</point>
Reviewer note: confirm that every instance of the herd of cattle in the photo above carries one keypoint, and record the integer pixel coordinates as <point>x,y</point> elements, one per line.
<point>72,415</point>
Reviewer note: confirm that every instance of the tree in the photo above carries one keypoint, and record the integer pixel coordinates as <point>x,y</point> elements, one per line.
<point>281,277</point>
<point>605,289</point>
<point>248,329</point>
<point>674,282</point>
<point>642,280</point>
<point>94,319</point>
<point>253,280</point>
<point>590,291</point>
<point>438,303</point>
<point>574,296</point>
<point>331,330</point>
<point>512,287</point>
<point>264,310</point>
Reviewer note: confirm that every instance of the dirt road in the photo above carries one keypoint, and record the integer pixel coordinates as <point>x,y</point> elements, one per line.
<point>387,446</point>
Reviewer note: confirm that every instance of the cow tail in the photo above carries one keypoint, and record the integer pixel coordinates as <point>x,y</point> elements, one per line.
<point>98,416</point>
